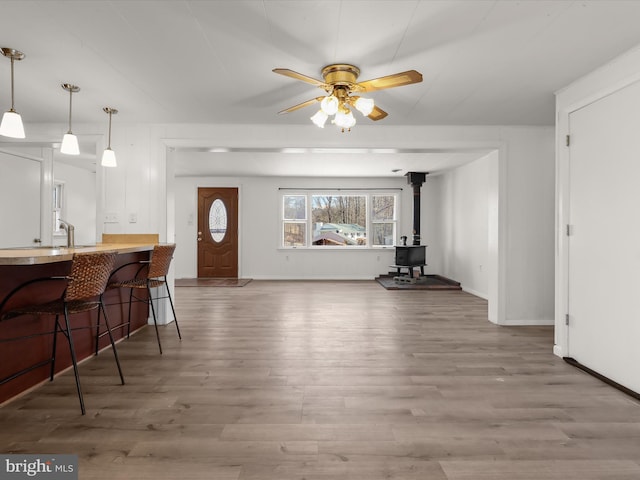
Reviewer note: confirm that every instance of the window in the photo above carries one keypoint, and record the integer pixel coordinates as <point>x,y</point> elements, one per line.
<point>383,219</point>
<point>294,220</point>
<point>331,219</point>
<point>217,220</point>
<point>339,220</point>
<point>58,204</point>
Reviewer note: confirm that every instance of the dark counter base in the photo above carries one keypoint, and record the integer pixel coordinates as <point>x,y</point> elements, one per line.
<point>20,354</point>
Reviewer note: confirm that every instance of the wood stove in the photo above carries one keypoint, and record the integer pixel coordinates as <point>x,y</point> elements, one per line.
<point>410,255</point>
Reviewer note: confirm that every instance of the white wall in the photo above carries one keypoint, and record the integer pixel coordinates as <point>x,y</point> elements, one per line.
<point>465,225</point>
<point>133,192</point>
<point>259,230</point>
<point>530,227</point>
<point>608,79</point>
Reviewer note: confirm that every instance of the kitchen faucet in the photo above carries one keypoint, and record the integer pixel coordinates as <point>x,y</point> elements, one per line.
<point>71,241</point>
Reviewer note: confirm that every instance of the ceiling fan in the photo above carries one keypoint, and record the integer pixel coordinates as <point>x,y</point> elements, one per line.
<point>340,82</point>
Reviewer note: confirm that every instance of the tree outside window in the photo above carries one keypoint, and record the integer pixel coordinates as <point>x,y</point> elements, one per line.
<point>339,220</point>
<point>294,220</point>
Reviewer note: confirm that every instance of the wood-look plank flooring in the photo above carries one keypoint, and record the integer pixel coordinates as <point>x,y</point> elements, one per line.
<point>333,380</point>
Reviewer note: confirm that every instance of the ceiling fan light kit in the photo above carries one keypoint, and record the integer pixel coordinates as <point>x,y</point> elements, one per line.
<point>340,81</point>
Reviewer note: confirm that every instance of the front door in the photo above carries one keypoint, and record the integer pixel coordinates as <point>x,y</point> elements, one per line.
<point>218,232</point>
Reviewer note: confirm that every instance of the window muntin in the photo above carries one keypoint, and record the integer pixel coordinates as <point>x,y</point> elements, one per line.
<point>294,217</point>
<point>383,219</point>
<point>335,219</point>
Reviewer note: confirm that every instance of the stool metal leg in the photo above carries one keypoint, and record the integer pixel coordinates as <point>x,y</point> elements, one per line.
<point>129,316</point>
<point>113,344</point>
<point>97,333</point>
<point>175,318</point>
<point>55,345</point>
<point>155,321</point>
<point>72,350</point>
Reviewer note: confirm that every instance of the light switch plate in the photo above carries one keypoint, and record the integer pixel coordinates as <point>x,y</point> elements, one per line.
<point>111,217</point>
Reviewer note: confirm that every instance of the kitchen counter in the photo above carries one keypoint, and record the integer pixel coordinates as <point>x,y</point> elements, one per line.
<point>18,266</point>
<point>42,255</point>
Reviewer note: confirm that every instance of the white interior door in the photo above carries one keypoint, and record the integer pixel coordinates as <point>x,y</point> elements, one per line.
<point>604,245</point>
<point>20,180</point>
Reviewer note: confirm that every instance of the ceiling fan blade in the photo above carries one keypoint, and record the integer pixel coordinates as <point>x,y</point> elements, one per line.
<point>390,81</point>
<point>301,105</point>
<point>377,114</point>
<point>299,76</point>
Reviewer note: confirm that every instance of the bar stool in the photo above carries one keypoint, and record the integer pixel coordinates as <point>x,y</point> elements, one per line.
<point>86,283</point>
<point>157,270</point>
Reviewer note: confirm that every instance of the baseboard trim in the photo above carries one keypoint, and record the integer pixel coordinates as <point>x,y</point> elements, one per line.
<point>519,322</point>
<point>599,376</point>
<point>313,278</point>
<point>475,293</point>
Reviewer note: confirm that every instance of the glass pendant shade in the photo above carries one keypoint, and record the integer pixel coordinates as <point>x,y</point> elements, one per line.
<point>319,118</point>
<point>109,158</point>
<point>344,119</point>
<point>340,119</point>
<point>364,105</point>
<point>70,144</point>
<point>329,105</point>
<point>350,120</point>
<point>11,125</point>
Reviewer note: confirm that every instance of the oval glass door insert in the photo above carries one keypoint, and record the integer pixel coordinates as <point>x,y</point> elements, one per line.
<point>218,220</point>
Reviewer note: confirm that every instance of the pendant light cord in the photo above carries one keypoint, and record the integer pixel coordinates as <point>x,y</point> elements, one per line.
<point>109,146</point>
<point>70,97</point>
<point>12,100</point>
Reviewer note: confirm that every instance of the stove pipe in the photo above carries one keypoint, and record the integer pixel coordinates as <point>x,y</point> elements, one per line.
<point>416,179</point>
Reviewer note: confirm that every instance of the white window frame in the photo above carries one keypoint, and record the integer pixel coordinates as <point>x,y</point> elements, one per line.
<point>284,220</point>
<point>58,193</point>
<point>368,193</point>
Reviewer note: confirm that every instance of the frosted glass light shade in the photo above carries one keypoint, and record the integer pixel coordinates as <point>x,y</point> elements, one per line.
<point>350,120</point>
<point>340,119</point>
<point>319,118</point>
<point>364,105</point>
<point>11,125</point>
<point>329,105</point>
<point>70,144</point>
<point>109,158</point>
<point>344,119</point>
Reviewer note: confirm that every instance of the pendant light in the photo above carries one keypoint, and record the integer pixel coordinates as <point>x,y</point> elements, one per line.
<point>70,141</point>
<point>11,125</point>
<point>109,156</point>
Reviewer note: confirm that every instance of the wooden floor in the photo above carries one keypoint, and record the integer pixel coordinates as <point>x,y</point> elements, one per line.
<point>323,380</point>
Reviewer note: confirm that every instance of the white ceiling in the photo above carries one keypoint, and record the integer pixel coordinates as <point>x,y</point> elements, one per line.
<point>484,62</point>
